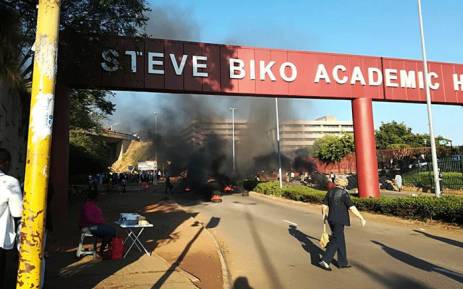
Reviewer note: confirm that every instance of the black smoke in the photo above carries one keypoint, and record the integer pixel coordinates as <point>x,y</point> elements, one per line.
<point>175,112</point>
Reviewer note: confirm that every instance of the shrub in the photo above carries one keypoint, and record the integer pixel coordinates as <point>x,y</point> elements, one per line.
<point>447,209</point>
<point>269,188</point>
<point>249,184</point>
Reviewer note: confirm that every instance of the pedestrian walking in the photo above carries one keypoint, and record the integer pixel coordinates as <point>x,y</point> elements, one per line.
<point>335,210</point>
<point>10,214</point>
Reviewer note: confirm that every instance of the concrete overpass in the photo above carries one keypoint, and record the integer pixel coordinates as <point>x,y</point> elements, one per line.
<point>117,141</point>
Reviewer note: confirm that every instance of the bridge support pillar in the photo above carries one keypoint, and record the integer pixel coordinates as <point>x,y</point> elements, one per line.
<point>365,148</point>
<point>59,170</point>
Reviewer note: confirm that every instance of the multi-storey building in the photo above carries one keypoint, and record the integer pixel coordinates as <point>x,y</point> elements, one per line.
<point>295,134</point>
<point>197,131</point>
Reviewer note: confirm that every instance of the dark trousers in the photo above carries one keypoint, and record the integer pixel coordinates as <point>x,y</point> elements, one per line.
<point>8,268</point>
<point>105,232</point>
<point>168,188</point>
<point>337,244</point>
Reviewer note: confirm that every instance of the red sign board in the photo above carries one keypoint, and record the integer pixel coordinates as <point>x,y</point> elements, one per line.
<point>121,63</point>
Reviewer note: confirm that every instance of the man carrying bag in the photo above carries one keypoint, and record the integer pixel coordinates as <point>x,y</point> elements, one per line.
<point>335,209</point>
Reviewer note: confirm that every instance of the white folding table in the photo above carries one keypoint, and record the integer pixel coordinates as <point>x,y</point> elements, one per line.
<point>133,236</point>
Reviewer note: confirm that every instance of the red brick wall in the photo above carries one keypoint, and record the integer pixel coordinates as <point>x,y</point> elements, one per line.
<point>346,165</point>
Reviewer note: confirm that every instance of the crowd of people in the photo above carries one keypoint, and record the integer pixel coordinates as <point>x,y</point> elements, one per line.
<point>111,180</point>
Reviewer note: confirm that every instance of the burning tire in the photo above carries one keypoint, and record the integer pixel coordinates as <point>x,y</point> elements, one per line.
<point>216,198</point>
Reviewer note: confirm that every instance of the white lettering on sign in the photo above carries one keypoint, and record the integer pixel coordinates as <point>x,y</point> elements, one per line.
<point>178,67</point>
<point>236,65</point>
<point>133,60</point>
<point>321,74</point>
<point>420,79</point>
<point>152,63</point>
<point>287,71</point>
<point>197,66</point>
<point>292,68</point>
<point>458,82</point>
<point>110,62</point>
<point>252,69</point>
<point>372,71</point>
<point>432,85</point>
<point>238,70</point>
<point>357,75</point>
<point>407,78</point>
<point>266,69</point>
<point>390,76</point>
<point>336,77</point>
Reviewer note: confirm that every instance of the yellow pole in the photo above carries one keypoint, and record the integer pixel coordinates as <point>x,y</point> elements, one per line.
<point>38,145</point>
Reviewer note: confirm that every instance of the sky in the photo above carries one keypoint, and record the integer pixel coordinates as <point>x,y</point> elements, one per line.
<point>378,28</point>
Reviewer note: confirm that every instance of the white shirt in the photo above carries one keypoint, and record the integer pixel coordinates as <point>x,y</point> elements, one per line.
<point>10,207</point>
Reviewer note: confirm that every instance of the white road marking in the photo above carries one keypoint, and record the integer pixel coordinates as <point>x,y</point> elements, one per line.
<point>289,222</point>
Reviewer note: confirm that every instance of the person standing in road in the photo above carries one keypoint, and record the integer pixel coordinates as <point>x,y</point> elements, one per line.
<point>335,209</point>
<point>168,189</point>
<point>398,181</point>
<point>10,214</point>
<point>332,177</point>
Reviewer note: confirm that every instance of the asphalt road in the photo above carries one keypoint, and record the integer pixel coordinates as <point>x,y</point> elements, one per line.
<point>272,244</point>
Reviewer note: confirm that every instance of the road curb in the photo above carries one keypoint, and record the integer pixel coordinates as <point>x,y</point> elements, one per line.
<point>225,272</point>
<point>282,200</point>
<point>226,277</point>
<point>193,279</point>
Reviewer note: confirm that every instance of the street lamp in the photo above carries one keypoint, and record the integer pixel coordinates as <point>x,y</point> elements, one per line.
<point>278,143</point>
<point>428,104</point>
<point>156,137</point>
<point>233,137</point>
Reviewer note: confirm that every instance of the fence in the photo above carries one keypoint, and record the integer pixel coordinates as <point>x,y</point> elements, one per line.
<point>422,175</point>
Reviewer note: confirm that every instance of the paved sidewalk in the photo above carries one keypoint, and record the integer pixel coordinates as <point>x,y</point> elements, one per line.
<point>183,256</point>
<point>144,273</point>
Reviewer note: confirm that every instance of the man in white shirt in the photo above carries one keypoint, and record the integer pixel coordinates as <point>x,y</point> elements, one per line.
<point>10,208</point>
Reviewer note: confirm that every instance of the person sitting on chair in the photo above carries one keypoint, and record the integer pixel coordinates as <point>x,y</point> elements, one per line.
<point>92,217</point>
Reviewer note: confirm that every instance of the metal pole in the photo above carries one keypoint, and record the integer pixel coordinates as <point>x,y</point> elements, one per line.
<point>38,145</point>
<point>278,143</point>
<point>428,105</point>
<point>156,137</point>
<point>233,137</point>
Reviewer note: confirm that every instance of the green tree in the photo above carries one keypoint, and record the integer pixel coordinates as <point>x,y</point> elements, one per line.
<point>395,135</point>
<point>331,148</point>
<point>88,108</point>
<point>9,45</point>
<point>88,153</point>
<point>86,17</point>
<point>98,17</point>
<point>119,17</point>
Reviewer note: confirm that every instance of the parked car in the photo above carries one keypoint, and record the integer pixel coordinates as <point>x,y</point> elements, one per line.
<point>457,157</point>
